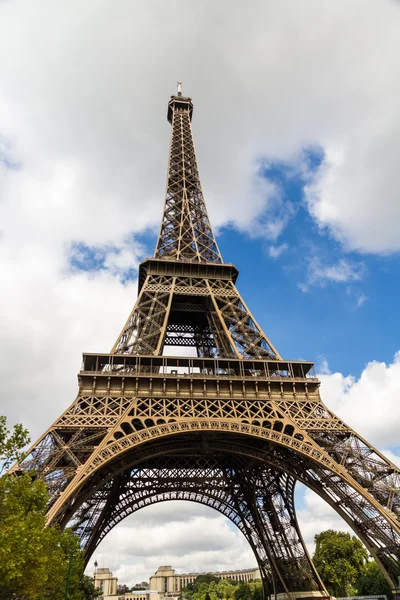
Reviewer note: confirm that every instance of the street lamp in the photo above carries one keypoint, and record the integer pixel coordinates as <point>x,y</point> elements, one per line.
<point>68,576</point>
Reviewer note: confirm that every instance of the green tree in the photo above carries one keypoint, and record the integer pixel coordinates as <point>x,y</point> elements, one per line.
<point>204,578</point>
<point>225,589</point>
<point>209,587</point>
<point>11,444</point>
<point>202,589</point>
<point>257,590</point>
<point>373,582</point>
<point>203,584</point>
<point>341,560</point>
<point>34,559</point>
<point>243,591</point>
<point>87,589</point>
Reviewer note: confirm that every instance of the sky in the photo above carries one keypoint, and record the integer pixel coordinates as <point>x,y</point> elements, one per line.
<point>297,130</point>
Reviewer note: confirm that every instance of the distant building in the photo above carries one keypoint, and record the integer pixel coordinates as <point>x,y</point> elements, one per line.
<point>140,595</point>
<point>165,583</point>
<point>105,582</point>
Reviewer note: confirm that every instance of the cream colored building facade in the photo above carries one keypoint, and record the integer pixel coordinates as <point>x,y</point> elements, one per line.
<point>105,582</point>
<point>165,583</point>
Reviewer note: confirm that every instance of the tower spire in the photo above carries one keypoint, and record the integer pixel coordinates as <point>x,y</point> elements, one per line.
<point>186,233</point>
<point>187,294</point>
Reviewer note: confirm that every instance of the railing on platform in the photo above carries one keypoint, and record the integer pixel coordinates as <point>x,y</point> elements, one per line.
<point>127,364</point>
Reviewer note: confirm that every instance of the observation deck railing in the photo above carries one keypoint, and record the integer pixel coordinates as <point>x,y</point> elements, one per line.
<point>128,365</point>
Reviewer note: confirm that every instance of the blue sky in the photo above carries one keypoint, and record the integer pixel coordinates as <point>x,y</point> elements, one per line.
<point>348,323</point>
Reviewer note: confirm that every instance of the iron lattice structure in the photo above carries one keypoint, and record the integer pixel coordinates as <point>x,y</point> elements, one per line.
<point>232,427</point>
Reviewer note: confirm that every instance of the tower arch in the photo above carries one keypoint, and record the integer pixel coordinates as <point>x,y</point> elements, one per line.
<point>343,493</point>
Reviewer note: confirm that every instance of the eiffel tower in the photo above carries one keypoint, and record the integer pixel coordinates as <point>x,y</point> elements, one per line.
<point>228,423</point>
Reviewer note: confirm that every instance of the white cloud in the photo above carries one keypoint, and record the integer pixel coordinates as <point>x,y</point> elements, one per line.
<point>188,536</point>
<point>276,251</point>
<point>369,404</point>
<point>51,319</point>
<point>83,107</point>
<point>362,298</point>
<point>391,456</point>
<point>118,260</point>
<point>343,271</point>
<point>355,199</point>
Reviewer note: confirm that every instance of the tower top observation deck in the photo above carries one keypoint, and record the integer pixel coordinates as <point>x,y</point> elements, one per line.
<point>179,102</point>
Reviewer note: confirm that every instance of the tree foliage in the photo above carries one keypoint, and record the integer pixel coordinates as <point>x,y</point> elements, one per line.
<point>372,582</point>
<point>204,578</point>
<point>34,559</point>
<point>341,560</point>
<point>210,587</point>
<point>251,590</point>
<point>11,444</point>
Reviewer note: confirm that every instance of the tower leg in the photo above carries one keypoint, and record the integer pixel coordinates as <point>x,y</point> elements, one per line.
<point>265,497</point>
